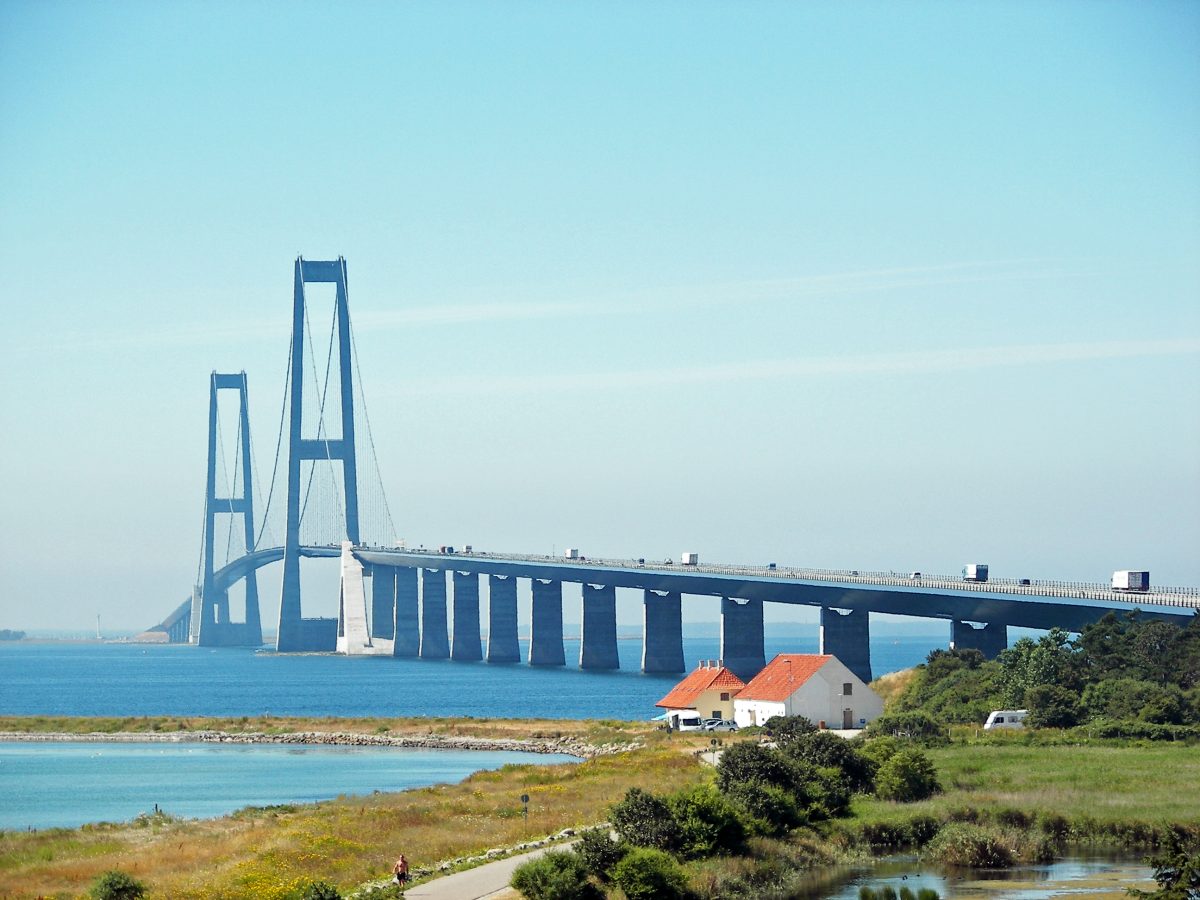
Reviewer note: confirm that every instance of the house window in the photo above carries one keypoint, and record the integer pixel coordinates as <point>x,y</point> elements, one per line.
<point>847,689</point>
<point>724,696</point>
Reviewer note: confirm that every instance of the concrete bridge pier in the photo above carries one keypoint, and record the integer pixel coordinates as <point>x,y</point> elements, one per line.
<point>467,645</point>
<point>383,602</point>
<point>407,642</point>
<point>502,645</point>
<point>742,637</point>
<point>990,638</point>
<point>434,641</point>
<point>546,633</point>
<point>847,635</point>
<point>598,649</point>
<point>662,632</point>
<point>353,636</point>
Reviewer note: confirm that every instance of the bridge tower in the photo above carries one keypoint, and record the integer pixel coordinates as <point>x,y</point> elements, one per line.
<point>211,624</point>
<point>295,632</point>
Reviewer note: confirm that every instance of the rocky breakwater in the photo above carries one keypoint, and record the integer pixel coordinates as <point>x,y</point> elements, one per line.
<point>567,745</point>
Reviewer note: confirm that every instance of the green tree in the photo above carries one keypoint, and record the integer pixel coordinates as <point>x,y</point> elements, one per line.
<point>824,749</point>
<point>907,776</point>
<point>708,822</point>
<point>645,820</point>
<point>1051,706</point>
<point>772,810</point>
<point>599,852</point>
<point>747,762</point>
<point>647,874</point>
<point>1177,873</point>
<point>784,728</point>
<point>117,885</point>
<point>557,875</point>
<point>1028,664</point>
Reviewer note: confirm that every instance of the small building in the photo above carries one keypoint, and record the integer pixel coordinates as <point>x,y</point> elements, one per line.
<point>707,693</point>
<point>816,686</point>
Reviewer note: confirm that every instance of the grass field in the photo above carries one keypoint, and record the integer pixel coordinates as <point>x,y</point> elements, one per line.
<point>1097,782</point>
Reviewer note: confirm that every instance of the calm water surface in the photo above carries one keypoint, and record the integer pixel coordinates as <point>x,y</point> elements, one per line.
<point>1077,878</point>
<point>150,680</point>
<point>69,784</point>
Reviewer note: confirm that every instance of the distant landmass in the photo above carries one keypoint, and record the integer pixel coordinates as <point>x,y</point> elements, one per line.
<point>7,634</point>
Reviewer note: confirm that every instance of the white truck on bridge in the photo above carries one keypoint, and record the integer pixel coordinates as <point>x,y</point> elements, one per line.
<point>1129,580</point>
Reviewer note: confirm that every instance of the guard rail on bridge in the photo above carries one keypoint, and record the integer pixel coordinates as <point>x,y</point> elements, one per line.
<point>1185,597</point>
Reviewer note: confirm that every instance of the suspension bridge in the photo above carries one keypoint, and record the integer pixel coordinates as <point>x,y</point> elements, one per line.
<point>394,601</point>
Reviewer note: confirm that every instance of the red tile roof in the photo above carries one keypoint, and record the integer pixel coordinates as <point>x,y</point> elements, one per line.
<point>684,694</point>
<point>783,676</point>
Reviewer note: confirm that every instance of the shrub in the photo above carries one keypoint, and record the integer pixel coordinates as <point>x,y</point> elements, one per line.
<point>879,749</point>
<point>117,885</point>
<point>600,852</point>
<point>708,822</point>
<point>826,750</point>
<point>747,762</point>
<point>1051,706</point>
<point>964,844</point>
<point>557,875</point>
<point>829,794</point>
<point>906,777</point>
<point>772,810</point>
<point>320,890</point>
<point>644,820</point>
<point>915,726</point>
<point>783,729</point>
<point>648,874</point>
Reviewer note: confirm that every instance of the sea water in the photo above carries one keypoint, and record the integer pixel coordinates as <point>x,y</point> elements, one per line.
<point>69,784</point>
<point>63,679</point>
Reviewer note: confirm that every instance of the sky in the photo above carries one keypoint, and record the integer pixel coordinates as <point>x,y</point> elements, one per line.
<point>846,285</point>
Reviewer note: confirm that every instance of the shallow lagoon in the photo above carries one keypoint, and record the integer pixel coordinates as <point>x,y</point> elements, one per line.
<point>45,785</point>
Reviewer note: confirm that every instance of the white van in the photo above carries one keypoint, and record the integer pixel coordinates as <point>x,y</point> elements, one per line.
<point>1005,718</point>
<point>685,722</point>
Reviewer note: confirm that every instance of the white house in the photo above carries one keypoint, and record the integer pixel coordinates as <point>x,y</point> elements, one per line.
<point>812,685</point>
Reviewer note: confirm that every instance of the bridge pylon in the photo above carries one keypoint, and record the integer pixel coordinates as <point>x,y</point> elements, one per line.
<point>211,624</point>
<point>297,633</point>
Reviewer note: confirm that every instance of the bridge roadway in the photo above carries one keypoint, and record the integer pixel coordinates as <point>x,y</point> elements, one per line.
<point>845,599</point>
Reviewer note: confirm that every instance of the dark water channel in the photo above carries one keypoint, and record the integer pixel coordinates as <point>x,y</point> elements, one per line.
<point>1077,877</point>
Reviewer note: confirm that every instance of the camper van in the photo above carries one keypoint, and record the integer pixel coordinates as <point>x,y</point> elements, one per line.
<point>1005,718</point>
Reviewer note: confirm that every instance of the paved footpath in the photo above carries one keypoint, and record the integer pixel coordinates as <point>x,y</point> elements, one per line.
<point>482,881</point>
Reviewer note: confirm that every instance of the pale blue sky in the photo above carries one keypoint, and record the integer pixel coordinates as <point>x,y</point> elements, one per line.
<point>849,285</point>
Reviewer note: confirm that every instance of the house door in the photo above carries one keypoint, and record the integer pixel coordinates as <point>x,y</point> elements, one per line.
<point>847,718</point>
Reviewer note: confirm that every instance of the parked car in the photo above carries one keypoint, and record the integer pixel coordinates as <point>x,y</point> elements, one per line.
<point>720,725</point>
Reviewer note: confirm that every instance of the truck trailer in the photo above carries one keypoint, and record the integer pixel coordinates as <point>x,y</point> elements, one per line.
<point>975,572</point>
<point>1130,580</point>
<point>689,559</point>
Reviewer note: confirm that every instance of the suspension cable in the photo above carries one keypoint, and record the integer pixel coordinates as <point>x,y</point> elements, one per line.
<point>287,381</point>
<point>370,437</point>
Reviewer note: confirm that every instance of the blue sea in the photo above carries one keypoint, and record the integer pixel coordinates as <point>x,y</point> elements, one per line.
<point>71,784</point>
<point>65,785</point>
<point>63,679</point>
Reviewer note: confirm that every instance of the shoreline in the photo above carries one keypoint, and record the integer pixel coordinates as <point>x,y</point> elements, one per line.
<point>568,746</point>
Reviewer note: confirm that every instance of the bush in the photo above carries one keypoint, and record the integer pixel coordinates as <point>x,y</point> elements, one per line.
<point>644,820</point>
<point>600,852</point>
<point>708,822</point>
<point>557,875</point>
<point>783,729</point>
<point>772,810</point>
<point>907,776</point>
<point>117,885</point>
<point>647,874</point>
<point>747,762</point>
<point>964,844</point>
<point>915,726</point>
<point>829,794</point>
<point>1051,706</point>
<point>880,749</point>
<point>320,890</point>
<point>826,750</point>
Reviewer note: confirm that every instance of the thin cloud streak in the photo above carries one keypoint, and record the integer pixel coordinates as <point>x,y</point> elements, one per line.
<point>894,364</point>
<point>375,320</point>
